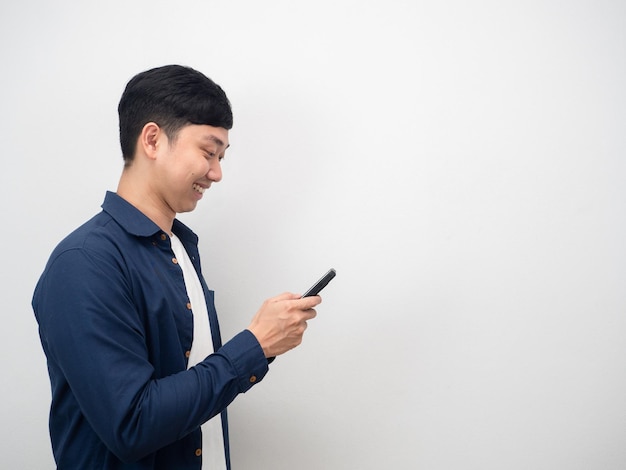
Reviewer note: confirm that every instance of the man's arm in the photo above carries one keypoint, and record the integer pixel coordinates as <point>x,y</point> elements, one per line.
<point>91,329</point>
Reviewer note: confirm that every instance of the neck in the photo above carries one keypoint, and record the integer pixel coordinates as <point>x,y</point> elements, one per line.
<point>137,191</point>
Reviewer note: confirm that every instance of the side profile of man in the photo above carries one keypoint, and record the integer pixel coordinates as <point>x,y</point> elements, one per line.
<point>128,325</point>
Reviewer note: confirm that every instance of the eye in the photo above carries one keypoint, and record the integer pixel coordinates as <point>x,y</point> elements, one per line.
<point>211,154</point>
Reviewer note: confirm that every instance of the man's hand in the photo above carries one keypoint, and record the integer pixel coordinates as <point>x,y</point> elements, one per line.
<point>280,322</point>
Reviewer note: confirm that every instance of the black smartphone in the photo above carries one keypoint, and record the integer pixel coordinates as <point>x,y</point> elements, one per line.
<point>319,285</point>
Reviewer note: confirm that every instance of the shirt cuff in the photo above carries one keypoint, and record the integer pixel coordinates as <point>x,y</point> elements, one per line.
<point>247,357</point>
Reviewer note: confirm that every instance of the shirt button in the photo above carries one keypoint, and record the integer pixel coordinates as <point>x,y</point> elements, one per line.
<point>253,379</point>
<point>198,452</point>
<point>174,260</point>
<point>163,237</point>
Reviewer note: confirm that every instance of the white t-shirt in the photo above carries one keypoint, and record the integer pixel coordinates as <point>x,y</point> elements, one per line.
<point>213,453</point>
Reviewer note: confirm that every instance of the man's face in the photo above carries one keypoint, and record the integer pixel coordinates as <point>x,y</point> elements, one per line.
<point>189,164</point>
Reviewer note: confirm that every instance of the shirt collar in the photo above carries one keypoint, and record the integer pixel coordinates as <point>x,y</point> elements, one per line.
<point>136,222</point>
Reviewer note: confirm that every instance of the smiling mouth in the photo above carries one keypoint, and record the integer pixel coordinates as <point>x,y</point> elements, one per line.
<point>198,188</point>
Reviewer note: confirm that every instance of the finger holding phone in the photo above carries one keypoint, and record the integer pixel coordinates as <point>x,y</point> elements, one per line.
<point>281,321</point>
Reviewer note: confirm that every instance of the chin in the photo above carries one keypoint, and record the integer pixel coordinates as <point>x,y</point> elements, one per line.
<point>185,208</point>
<point>188,209</point>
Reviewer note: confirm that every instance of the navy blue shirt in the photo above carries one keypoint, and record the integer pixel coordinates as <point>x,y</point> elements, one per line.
<point>116,327</point>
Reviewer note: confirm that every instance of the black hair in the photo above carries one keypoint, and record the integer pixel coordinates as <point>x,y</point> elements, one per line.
<point>171,96</point>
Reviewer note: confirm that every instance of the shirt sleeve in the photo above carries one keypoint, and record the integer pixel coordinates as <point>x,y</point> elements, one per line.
<point>94,335</point>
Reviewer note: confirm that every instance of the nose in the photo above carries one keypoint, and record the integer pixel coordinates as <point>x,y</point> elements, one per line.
<point>215,171</point>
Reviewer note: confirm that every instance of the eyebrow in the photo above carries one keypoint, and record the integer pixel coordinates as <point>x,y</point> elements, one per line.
<point>215,140</point>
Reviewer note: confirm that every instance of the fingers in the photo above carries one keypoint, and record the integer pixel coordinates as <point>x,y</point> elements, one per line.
<point>309,314</point>
<point>297,302</point>
<point>285,296</point>
<point>281,322</point>
<point>306,303</point>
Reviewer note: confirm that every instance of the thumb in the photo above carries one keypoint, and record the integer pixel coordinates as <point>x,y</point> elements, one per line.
<point>286,296</point>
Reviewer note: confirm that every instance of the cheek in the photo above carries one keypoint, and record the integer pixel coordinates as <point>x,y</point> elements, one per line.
<point>200,170</point>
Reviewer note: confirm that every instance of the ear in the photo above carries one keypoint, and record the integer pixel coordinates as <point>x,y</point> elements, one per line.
<point>150,139</point>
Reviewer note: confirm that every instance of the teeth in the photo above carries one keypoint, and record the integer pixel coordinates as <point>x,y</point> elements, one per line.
<point>198,188</point>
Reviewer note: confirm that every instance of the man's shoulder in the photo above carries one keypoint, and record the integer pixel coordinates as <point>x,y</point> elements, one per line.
<point>101,226</point>
<point>94,239</point>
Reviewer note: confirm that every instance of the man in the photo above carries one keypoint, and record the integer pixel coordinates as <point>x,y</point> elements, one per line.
<point>125,317</point>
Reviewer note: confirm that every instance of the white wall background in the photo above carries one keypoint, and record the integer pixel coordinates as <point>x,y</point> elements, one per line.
<point>461,164</point>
